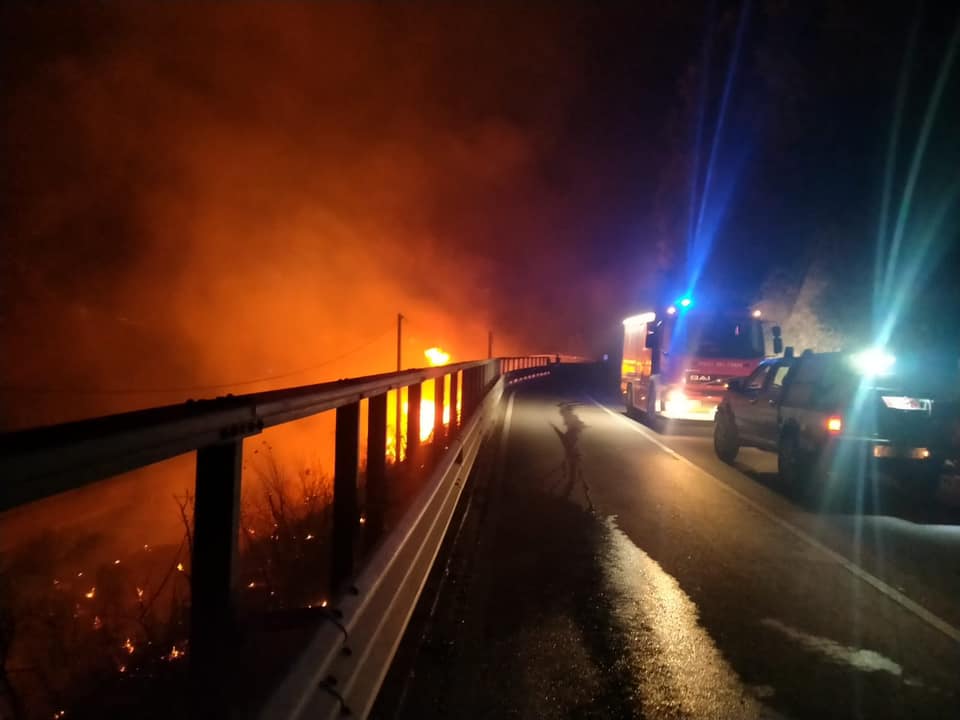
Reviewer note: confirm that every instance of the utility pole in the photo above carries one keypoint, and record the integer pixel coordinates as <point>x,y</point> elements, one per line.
<point>399,413</point>
<point>489,344</point>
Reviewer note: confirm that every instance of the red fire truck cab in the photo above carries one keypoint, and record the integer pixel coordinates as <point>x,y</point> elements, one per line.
<point>676,363</point>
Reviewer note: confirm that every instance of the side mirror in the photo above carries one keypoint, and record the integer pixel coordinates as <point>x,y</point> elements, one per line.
<point>777,340</point>
<point>653,340</point>
<point>735,385</point>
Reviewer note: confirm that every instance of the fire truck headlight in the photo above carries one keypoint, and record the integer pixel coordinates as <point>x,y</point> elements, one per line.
<point>677,401</point>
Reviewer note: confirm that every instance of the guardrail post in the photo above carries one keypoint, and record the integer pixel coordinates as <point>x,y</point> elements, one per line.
<point>414,394</point>
<point>454,400</point>
<point>376,499</point>
<point>345,505</point>
<point>477,386</point>
<point>438,397</point>
<point>216,517</point>
<point>468,392</point>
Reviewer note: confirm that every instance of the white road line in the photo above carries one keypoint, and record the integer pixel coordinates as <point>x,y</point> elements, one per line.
<point>898,597</point>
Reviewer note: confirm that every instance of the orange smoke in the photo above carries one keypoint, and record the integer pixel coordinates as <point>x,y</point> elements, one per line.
<point>251,225</point>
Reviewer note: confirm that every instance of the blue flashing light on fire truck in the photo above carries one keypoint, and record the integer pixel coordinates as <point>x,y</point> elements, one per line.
<point>677,362</point>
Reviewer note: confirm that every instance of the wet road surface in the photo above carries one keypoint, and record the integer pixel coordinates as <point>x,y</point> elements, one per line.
<point>599,569</point>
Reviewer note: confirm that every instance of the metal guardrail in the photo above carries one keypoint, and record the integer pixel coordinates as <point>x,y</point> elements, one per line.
<point>342,668</point>
<point>39,463</point>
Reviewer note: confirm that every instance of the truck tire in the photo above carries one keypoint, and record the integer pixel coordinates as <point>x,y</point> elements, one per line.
<point>653,420</point>
<point>795,466</point>
<point>631,408</point>
<point>726,441</point>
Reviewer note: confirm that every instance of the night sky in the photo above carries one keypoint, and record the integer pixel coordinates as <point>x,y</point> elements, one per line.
<point>193,195</point>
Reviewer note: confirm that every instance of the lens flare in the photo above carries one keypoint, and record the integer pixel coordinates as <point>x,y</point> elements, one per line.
<point>873,362</point>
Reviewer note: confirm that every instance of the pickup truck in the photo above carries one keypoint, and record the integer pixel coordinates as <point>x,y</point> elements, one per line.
<point>832,426</point>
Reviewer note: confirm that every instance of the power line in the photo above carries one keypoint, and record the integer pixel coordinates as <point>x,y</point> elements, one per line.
<point>193,388</point>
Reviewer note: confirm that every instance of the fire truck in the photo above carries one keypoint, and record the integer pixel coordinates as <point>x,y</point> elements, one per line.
<point>677,362</point>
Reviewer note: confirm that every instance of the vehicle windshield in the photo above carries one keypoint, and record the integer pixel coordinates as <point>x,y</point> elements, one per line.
<point>717,336</point>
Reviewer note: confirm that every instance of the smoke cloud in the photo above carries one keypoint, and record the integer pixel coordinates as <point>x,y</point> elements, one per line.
<point>200,197</point>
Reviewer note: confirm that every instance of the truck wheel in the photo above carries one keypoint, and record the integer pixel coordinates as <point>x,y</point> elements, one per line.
<point>631,408</point>
<point>726,442</point>
<point>795,466</point>
<point>652,418</point>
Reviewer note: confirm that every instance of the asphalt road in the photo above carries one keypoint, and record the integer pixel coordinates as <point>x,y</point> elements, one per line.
<point>600,569</point>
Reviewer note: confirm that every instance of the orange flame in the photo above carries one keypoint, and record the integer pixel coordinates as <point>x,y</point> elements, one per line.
<point>436,356</point>
<point>428,410</point>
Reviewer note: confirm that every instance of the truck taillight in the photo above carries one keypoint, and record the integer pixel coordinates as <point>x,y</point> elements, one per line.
<point>834,424</point>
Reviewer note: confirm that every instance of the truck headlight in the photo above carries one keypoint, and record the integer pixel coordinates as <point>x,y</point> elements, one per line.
<point>873,361</point>
<point>677,401</point>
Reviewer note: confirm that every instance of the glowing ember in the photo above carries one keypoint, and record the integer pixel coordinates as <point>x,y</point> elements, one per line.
<point>147,548</point>
<point>436,356</point>
<point>129,646</point>
<point>175,653</point>
<point>90,594</point>
<point>323,603</point>
<point>97,622</point>
<point>139,593</point>
<point>309,536</point>
<point>251,585</point>
<point>59,714</point>
<point>80,574</point>
<point>116,562</point>
<point>180,567</point>
<point>55,582</point>
<point>122,668</point>
<point>363,519</point>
